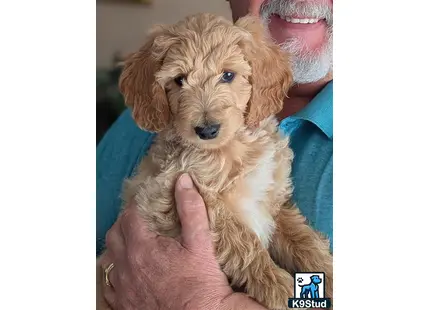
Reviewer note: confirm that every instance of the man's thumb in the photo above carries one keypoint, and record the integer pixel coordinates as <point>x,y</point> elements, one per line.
<point>192,214</point>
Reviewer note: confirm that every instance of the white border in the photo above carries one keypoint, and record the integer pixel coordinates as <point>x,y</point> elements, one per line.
<point>47,158</point>
<point>381,154</point>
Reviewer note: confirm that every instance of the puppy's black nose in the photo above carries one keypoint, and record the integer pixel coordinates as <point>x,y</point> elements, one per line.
<point>208,132</point>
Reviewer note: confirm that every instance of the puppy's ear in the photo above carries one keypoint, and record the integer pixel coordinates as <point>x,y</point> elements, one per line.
<point>271,72</point>
<point>142,93</point>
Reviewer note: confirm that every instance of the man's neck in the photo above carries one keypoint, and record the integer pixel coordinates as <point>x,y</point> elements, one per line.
<point>300,95</point>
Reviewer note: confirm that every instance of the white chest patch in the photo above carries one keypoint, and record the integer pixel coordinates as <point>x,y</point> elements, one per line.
<point>253,212</point>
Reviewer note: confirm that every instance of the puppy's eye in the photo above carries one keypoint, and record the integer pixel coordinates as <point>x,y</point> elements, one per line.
<point>179,80</point>
<point>227,77</point>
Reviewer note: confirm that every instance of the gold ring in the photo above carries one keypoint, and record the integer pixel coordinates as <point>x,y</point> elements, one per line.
<point>107,270</point>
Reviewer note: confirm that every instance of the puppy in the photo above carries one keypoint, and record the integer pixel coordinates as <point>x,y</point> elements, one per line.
<point>210,88</point>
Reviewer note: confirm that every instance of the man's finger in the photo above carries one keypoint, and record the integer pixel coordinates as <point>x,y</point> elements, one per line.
<point>105,294</point>
<point>192,214</point>
<point>114,240</point>
<point>104,262</point>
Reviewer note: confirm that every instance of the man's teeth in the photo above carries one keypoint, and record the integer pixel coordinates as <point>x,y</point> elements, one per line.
<point>301,20</point>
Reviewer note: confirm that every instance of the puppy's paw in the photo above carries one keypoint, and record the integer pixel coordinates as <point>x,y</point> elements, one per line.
<point>273,290</point>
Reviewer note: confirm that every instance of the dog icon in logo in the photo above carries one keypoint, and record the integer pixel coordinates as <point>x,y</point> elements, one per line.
<point>311,290</point>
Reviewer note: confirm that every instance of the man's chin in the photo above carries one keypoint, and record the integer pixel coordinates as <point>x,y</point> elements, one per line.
<point>310,70</point>
<point>308,65</point>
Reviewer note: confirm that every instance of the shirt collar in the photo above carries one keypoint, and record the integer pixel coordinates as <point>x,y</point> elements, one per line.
<point>320,111</point>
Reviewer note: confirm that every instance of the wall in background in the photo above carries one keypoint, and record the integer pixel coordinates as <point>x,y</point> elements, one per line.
<point>122,28</point>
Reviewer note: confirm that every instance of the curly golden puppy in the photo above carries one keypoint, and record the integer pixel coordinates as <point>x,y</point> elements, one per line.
<point>210,89</point>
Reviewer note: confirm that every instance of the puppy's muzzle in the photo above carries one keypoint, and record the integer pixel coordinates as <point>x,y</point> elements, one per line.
<point>207,132</point>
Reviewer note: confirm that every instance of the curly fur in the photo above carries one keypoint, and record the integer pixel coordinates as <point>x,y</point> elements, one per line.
<point>244,173</point>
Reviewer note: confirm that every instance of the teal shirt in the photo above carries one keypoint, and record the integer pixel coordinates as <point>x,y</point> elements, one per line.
<point>311,136</point>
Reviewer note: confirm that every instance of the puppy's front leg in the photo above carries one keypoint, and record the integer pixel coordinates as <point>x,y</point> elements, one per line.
<point>157,206</point>
<point>296,247</point>
<point>246,263</point>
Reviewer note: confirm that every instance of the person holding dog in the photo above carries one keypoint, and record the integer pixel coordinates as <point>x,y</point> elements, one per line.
<point>149,272</point>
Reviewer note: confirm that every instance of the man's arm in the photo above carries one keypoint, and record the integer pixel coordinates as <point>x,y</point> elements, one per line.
<point>118,153</point>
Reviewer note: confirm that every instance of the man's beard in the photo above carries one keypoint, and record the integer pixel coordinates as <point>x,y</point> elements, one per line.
<point>308,66</point>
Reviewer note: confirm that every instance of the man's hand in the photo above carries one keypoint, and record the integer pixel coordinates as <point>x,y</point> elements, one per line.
<point>155,272</point>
